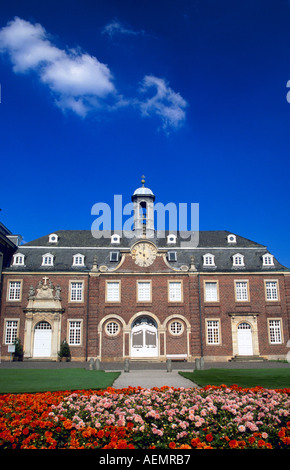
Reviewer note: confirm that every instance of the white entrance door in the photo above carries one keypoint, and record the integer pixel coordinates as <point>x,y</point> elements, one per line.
<point>144,340</point>
<point>42,340</point>
<point>245,342</point>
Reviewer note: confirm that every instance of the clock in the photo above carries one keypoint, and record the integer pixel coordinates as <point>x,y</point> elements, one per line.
<point>144,254</point>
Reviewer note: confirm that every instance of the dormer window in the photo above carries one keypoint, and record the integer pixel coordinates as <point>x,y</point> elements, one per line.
<point>115,238</point>
<point>268,260</point>
<point>47,260</point>
<point>114,256</point>
<point>208,260</point>
<point>78,260</point>
<point>52,238</point>
<point>238,260</point>
<point>232,238</point>
<point>18,259</point>
<point>172,256</point>
<point>171,238</point>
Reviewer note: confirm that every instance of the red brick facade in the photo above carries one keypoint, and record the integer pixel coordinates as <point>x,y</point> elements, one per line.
<point>188,338</point>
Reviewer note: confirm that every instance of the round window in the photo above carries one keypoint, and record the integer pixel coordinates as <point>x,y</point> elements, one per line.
<point>112,328</point>
<point>176,328</point>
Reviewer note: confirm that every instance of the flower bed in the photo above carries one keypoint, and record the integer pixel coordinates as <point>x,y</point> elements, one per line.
<point>136,418</point>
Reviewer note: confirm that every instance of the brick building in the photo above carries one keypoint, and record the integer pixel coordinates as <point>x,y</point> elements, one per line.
<point>145,296</point>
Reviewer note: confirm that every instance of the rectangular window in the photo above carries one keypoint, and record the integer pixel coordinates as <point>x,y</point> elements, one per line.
<point>144,291</point>
<point>11,331</point>
<point>211,292</point>
<point>76,292</point>
<point>275,332</point>
<point>113,291</point>
<point>213,332</point>
<point>271,290</point>
<point>14,292</point>
<point>242,291</point>
<point>75,333</point>
<point>175,292</point>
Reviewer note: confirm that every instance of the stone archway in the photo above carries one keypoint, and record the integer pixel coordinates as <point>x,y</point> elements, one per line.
<point>144,337</point>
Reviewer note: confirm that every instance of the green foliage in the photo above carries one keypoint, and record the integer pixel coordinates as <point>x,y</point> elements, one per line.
<point>18,354</point>
<point>64,350</point>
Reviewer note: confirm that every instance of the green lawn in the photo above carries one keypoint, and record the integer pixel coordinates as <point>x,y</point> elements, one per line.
<point>52,380</point>
<point>267,378</point>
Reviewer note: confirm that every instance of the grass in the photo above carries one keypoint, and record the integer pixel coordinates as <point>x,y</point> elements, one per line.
<point>267,378</point>
<point>50,380</point>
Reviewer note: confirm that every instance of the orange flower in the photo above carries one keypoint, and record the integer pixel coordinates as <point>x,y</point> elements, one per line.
<point>172,445</point>
<point>233,444</point>
<point>122,444</point>
<point>100,434</point>
<point>67,424</point>
<point>195,441</point>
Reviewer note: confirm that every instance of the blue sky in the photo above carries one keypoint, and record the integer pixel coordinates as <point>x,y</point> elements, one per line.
<point>192,94</point>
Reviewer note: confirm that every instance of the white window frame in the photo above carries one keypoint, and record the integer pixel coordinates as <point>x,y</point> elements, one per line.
<point>176,327</point>
<point>18,259</point>
<point>172,255</point>
<point>275,331</point>
<point>271,290</point>
<point>213,332</point>
<point>268,260</point>
<point>208,295</point>
<point>76,291</point>
<point>11,331</point>
<point>53,238</point>
<point>144,291</point>
<point>115,239</point>
<point>242,292</point>
<point>47,259</point>
<point>171,239</point>
<point>232,238</point>
<point>208,260</point>
<point>75,332</point>
<point>175,291</point>
<point>113,293</point>
<point>78,260</point>
<point>111,256</point>
<point>238,260</point>
<point>112,328</point>
<point>14,292</point>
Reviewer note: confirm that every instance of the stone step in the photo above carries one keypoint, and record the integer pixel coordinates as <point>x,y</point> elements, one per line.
<point>248,359</point>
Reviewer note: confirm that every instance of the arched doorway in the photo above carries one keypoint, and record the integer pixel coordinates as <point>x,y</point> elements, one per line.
<point>144,337</point>
<point>245,341</point>
<point>42,339</point>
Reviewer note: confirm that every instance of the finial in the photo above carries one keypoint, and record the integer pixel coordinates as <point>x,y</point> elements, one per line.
<point>143,180</point>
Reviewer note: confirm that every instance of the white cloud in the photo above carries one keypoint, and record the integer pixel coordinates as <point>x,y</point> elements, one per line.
<point>79,82</point>
<point>165,103</point>
<point>76,79</point>
<point>116,28</point>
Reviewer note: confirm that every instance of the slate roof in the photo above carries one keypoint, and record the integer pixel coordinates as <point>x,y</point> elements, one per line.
<point>72,242</point>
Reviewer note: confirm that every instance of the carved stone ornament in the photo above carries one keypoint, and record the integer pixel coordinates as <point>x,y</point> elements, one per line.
<point>46,297</point>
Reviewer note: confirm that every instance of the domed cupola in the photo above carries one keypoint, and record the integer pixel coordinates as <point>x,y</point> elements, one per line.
<point>143,199</point>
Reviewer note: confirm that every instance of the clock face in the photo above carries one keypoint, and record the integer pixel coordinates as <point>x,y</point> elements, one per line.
<point>144,254</point>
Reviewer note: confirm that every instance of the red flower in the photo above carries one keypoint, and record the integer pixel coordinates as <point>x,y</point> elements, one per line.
<point>233,444</point>
<point>209,437</point>
<point>172,445</point>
